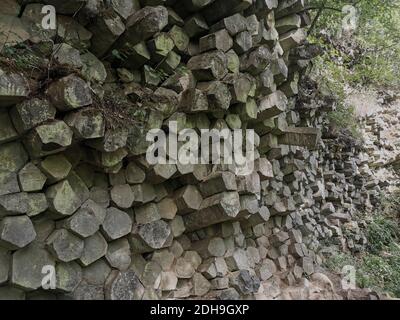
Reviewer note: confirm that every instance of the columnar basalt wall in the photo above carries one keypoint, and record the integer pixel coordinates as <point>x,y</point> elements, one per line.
<point>76,190</point>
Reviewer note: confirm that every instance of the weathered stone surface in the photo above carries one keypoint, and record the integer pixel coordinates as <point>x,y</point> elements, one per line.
<point>124,286</point>
<point>215,209</point>
<point>13,86</point>
<point>201,285</point>
<point>93,69</point>
<point>55,167</point>
<point>62,199</point>
<point>184,269</point>
<point>95,247</point>
<point>5,264</point>
<point>7,130</point>
<point>16,232</point>
<point>122,196</point>
<point>69,93</point>
<point>83,223</point>
<point>48,138</point>
<point>208,66</point>
<point>27,266</point>
<point>86,124</point>
<point>116,224</point>
<point>88,291</point>
<point>245,283</point>
<point>14,204</point>
<point>134,174</point>
<point>66,55</point>
<point>12,156</point>
<point>8,183</point>
<point>119,254</point>
<point>11,293</point>
<point>147,213</point>
<point>65,246</point>
<point>31,178</point>
<point>188,199</point>
<point>97,272</point>
<point>167,208</point>
<point>68,276</point>
<point>154,235</point>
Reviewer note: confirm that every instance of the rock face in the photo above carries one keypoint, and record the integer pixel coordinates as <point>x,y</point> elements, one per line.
<point>78,193</point>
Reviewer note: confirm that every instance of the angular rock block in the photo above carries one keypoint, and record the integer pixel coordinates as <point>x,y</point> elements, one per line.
<point>16,232</point>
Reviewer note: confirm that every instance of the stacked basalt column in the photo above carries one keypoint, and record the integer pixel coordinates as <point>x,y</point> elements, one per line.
<point>77,192</point>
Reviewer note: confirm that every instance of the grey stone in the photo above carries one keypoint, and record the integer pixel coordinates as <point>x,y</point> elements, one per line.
<point>31,178</point>
<point>119,254</point>
<point>68,276</point>
<point>14,204</point>
<point>124,286</point>
<point>8,183</point>
<point>5,264</point>
<point>65,246</point>
<point>16,232</point>
<point>27,266</point>
<point>62,199</point>
<point>116,224</point>
<point>12,156</point>
<point>95,247</point>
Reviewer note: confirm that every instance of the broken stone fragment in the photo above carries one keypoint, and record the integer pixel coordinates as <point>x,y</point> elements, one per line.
<point>69,93</point>
<point>27,266</point>
<point>16,232</point>
<point>95,247</point>
<point>119,254</point>
<point>30,113</point>
<point>8,183</point>
<point>64,245</point>
<point>68,276</point>
<point>68,56</point>
<point>123,286</point>
<point>48,139</point>
<point>217,93</point>
<point>220,40</point>
<point>116,224</point>
<point>62,199</point>
<point>12,156</point>
<point>55,167</point>
<point>209,66</point>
